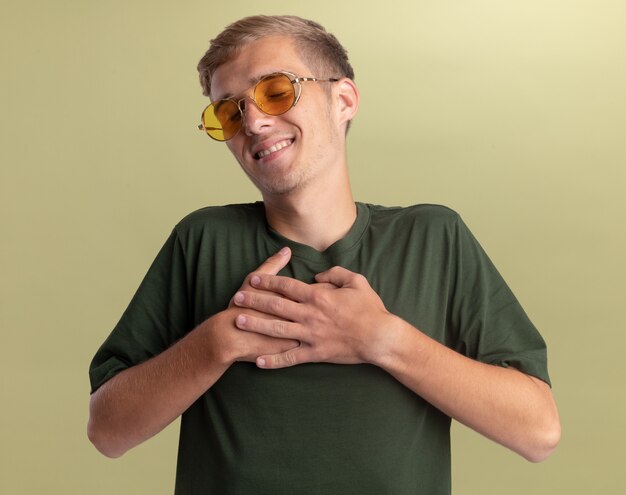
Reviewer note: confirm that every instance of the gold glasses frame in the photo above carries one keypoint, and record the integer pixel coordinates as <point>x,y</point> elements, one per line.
<point>295,81</point>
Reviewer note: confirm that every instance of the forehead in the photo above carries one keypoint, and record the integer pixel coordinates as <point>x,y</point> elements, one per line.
<point>256,59</point>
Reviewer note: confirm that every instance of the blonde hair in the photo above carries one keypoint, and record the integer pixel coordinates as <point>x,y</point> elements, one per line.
<point>319,49</point>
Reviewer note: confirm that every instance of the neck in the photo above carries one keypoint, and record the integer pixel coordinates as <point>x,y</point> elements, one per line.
<point>315,216</point>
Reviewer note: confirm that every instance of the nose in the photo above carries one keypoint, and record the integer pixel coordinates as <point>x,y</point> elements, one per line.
<point>254,119</point>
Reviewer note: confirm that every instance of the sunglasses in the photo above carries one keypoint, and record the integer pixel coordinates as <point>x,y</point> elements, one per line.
<point>274,94</point>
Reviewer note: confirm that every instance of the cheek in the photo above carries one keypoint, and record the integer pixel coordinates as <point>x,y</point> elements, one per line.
<point>235,146</point>
<point>231,146</point>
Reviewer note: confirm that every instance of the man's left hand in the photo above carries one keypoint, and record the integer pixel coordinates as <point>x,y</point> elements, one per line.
<point>340,319</point>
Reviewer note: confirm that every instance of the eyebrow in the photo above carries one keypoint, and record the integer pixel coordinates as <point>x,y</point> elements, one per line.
<point>251,81</point>
<point>218,104</point>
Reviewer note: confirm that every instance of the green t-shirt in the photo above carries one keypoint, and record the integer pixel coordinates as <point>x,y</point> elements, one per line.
<point>322,428</point>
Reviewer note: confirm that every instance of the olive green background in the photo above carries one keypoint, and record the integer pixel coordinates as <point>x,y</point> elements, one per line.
<point>512,113</point>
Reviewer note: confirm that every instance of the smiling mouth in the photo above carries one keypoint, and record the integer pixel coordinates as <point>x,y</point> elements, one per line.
<point>273,149</point>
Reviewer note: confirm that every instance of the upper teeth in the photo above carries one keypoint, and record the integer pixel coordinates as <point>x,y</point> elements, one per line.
<point>272,149</point>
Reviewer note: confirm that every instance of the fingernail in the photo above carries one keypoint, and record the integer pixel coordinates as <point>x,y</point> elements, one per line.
<point>260,362</point>
<point>255,280</point>
<point>238,297</point>
<point>284,251</point>
<point>241,320</point>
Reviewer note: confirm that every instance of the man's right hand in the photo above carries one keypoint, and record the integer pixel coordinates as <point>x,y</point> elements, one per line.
<point>140,401</point>
<point>271,266</point>
<point>228,343</point>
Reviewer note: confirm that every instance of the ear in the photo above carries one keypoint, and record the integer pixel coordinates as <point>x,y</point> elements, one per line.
<point>347,97</point>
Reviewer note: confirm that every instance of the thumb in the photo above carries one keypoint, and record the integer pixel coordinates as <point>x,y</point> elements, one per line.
<point>337,275</point>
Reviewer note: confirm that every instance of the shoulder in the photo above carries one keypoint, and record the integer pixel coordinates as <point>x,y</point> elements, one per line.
<point>221,217</point>
<point>424,215</point>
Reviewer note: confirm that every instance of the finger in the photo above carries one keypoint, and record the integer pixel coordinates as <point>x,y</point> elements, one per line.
<point>253,344</point>
<point>324,285</point>
<point>285,286</point>
<point>270,266</point>
<point>280,329</point>
<point>269,304</point>
<point>286,359</point>
<point>339,276</point>
<point>275,263</point>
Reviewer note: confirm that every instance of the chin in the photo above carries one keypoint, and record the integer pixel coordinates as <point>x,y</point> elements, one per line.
<point>281,186</point>
<point>281,180</point>
<point>274,189</point>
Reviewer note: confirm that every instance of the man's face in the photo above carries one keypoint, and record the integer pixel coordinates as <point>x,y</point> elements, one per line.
<point>281,154</point>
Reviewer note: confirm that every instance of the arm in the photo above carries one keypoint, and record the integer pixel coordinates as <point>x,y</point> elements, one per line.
<point>142,400</point>
<point>503,404</point>
<point>349,324</point>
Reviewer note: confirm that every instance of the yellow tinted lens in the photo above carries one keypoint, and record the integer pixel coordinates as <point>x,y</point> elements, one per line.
<point>222,120</point>
<point>274,94</point>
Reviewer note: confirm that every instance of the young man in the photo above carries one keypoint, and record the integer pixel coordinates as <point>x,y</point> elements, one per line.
<point>313,344</point>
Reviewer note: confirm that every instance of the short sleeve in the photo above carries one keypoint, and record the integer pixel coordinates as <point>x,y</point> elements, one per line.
<point>157,316</point>
<point>491,324</point>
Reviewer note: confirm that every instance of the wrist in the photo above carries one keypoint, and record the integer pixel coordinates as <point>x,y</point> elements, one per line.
<point>212,340</point>
<point>387,341</point>
<point>396,345</point>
